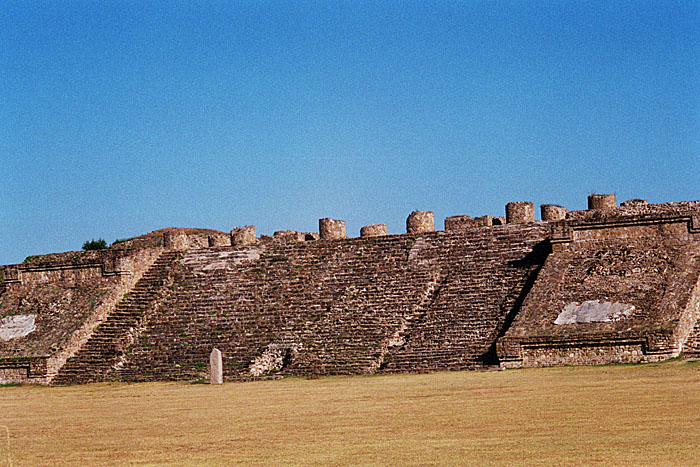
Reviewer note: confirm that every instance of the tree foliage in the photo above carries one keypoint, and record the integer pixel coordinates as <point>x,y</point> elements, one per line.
<point>93,244</point>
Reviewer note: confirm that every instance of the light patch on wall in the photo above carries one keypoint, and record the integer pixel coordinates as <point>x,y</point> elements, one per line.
<point>593,311</point>
<point>12,327</point>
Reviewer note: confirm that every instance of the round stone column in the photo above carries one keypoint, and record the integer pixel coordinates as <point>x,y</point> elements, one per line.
<point>519,212</point>
<point>553,212</point>
<point>420,221</point>
<point>331,229</point>
<point>373,230</point>
<point>602,201</point>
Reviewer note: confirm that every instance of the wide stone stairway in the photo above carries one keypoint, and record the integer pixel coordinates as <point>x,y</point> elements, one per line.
<point>101,352</point>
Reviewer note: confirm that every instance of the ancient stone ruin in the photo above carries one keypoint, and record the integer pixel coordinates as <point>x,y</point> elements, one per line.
<point>608,284</point>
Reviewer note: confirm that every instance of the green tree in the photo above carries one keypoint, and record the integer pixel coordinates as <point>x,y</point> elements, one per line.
<point>93,244</point>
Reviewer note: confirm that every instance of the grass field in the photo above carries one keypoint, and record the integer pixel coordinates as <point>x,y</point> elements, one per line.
<point>619,415</point>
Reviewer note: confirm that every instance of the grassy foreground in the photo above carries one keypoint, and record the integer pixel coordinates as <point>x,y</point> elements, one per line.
<point>621,415</point>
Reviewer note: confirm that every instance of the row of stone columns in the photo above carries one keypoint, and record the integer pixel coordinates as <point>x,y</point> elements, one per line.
<point>524,211</point>
<point>517,212</point>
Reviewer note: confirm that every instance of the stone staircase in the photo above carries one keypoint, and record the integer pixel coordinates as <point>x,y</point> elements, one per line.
<point>691,349</point>
<point>101,353</point>
<point>333,306</point>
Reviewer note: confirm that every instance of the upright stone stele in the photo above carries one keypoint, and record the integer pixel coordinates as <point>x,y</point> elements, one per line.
<point>216,367</point>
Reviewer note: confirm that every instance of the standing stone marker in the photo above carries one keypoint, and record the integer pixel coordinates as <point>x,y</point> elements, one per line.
<point>216,367</point>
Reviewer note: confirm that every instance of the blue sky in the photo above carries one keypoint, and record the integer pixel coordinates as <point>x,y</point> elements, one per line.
<point>119,118</point>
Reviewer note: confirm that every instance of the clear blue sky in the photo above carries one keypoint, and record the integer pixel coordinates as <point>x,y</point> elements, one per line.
<point>119,118</point>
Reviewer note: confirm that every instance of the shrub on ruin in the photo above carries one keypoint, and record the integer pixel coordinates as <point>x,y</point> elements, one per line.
<point>93,244</point>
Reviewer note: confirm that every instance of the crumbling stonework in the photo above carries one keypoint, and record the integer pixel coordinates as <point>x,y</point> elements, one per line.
<point>602,201</point>
<point>519,212</point>
<point>242,236</point>
<point>175,240</point>
<point>331,229</point>
<point>420,222</point>
<point>606,285</point>
<point>374,230</point>
<point>457,223</point>
<point>553,212</point>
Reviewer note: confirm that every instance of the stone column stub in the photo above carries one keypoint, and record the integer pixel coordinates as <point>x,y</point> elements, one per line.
<point>420,221</point>
<point>606,201</point>
<point>519,212</point>
<point>331,229</point>
<point>553,212</point>
<point>242,236</point>
<point>373,230</point>
<point>175,240</point>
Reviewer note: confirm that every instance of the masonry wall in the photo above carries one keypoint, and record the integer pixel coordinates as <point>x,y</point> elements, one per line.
<point>652,271</point>
<point>475,296</point>
<point>337,307</point>
<point>67,295</point>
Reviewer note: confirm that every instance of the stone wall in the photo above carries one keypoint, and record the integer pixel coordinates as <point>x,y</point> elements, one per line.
<point>643,273</point>
<point>67,295</point>
<point>325,307</point>
<point>611,284</point>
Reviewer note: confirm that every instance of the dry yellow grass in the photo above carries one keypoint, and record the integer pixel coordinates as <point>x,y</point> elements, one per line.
<point>620,415</point>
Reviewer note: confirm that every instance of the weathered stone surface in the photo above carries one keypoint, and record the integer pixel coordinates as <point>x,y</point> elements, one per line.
<point>459,223</point>
<point>214,241</point>
<point>13,327</point>
<point>519,212</point>
<point>331,229</point>
<point>593,311</point>
<point>619,294</point>
<point>175,240</point>
<point>242,236</point>
<point>216,367</point>
<point>289,236</point>
<point>271,361</point>
<point>602,201</point>
<point>420,222</point>
<point>373,230</point>
<point>553,212</point>
<point>634,202</point>
<point>455,299</point>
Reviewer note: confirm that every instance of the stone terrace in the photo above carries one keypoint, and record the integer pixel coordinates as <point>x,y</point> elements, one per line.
<point>652,271</point>
<point>334,307</point>
<point>610,284</point>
